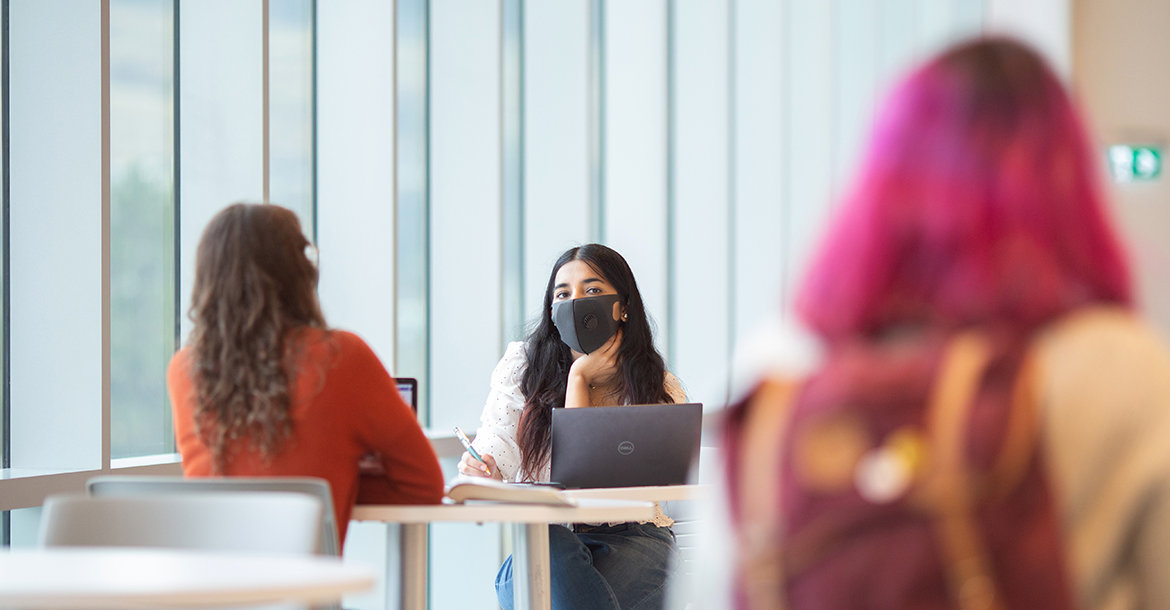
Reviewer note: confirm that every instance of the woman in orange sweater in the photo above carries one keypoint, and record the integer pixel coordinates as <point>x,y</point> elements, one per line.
<point>265,388</point>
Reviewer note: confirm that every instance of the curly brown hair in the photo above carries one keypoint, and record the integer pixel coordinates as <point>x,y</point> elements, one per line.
<point>254,287</point>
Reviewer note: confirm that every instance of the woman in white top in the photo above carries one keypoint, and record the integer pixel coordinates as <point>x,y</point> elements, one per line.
<point>561,364</point>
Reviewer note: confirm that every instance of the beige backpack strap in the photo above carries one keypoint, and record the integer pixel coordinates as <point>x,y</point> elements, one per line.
<point>1022,434</point>
<point>763,430</point>
<point>949,491</point>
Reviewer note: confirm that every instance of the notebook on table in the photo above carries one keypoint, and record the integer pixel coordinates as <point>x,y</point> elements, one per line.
<point>630,446</point>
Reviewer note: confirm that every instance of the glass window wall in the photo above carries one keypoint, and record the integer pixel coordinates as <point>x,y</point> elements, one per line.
<point>291,126</point>
<point>143,310</point>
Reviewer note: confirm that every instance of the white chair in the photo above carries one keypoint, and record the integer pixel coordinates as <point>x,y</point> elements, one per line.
<point>687,521</point>
<point>128,485</point>
<point>254,521</point>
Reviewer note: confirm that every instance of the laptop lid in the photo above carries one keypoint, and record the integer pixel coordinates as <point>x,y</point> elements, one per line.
<point>625,446</point>
<point>408,389</point>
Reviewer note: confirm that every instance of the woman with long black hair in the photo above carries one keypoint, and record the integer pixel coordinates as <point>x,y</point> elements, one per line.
<point>608,566</point>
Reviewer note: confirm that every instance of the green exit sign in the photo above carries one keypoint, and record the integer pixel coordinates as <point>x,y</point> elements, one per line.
<point>1129,163</point>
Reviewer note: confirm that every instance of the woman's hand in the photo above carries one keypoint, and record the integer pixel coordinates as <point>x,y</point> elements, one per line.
<point>474,468</point>
<point>592,370</point>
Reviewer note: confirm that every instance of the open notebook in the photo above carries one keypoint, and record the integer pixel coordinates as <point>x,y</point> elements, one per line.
<point>481,489</point>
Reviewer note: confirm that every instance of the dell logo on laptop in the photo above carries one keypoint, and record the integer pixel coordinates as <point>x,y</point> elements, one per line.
<point>626,448</point>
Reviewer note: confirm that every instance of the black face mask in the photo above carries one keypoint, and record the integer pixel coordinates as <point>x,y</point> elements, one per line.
<point>585,324</point>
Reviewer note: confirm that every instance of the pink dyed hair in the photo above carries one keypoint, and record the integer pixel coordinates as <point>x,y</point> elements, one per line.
<point>978,204</point>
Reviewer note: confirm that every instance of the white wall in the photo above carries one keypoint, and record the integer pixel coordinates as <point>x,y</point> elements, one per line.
<point>56,225</point>
<point>635,150</point>
<point>1120,49</point>
<point>1045,24</point>
<point>806,79</point>
<point>465,208</point>
<point>556,138</point>
<point>221,120</point>
<point>356,169</point>
<point>700,277</point>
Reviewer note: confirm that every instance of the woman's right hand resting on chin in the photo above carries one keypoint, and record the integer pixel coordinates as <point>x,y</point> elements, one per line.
<point>474,468</point>
<point>592,369</point>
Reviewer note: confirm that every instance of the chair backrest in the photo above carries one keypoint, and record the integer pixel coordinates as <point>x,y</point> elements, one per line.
<point>129,485</point>
<point>247,521</point>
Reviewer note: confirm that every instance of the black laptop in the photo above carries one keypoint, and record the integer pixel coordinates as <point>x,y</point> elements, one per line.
<point>625,446</point>
<point>408,389</point>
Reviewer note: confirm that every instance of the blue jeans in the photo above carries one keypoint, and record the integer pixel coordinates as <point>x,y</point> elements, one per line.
<point>619,567</point>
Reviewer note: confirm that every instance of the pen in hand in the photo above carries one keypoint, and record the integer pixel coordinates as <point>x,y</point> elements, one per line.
<point>467,445</point>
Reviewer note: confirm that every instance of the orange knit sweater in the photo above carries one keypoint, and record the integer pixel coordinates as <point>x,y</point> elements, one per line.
<point>344,405</point>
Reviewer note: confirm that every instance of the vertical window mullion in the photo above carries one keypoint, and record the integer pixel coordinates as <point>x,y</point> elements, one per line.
<point>176,219</point>
<point>265,103</point>
<point>412,197</point>
<point>289,108</point>
<point>597,119</point>
<point>313,116</point>
<point>105,229</point>
<point>5,393</point>
<point>6,441</point>
<point>512,149</point>
<point>176,192</point>
<point>671,192</point>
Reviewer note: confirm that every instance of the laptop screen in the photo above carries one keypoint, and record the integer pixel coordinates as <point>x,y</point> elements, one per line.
<point>408,389</point>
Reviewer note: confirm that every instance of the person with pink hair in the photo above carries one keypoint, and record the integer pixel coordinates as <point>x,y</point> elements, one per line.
<point>990,424</point>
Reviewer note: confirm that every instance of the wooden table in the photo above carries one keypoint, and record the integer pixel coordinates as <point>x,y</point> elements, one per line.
<point>530,559</point>
<point>107,578</point>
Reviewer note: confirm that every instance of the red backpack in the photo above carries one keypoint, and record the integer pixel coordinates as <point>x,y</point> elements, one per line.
<point>904,475</point>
